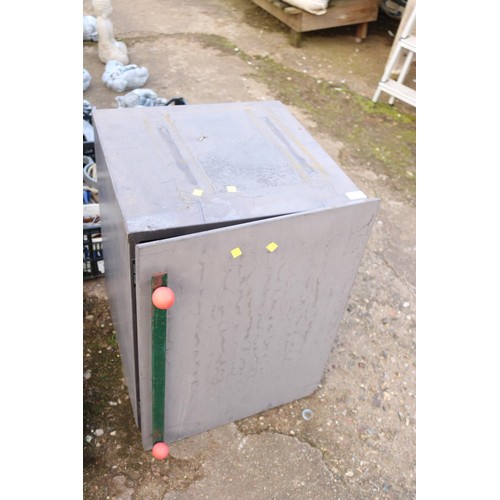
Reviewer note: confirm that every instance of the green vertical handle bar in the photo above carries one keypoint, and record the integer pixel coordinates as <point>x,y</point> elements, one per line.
<point>159,354</point>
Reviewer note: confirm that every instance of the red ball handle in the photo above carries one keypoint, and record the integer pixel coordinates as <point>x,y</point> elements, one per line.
<point>163,297</point>
<point>160,450</point>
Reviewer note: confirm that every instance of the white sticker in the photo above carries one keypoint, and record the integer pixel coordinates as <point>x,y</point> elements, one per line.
<point>356,195</point>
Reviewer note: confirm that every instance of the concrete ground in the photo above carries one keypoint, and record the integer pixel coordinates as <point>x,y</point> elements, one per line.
<point>360,441</point>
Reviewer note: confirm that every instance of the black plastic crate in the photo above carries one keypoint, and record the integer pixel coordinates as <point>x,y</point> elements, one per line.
<point>89,149</point>
<point>88,131</point>
<point>93,263</point>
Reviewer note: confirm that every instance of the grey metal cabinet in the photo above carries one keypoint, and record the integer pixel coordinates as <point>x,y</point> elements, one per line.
<point>260,234</point>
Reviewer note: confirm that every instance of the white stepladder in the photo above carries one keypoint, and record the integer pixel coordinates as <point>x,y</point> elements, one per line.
<point>407,42</point>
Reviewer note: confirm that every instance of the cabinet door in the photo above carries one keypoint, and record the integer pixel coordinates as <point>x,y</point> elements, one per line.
<point>256,312</point>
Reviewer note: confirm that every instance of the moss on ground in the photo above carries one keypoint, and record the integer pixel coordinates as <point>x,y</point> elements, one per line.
<point>373,133</point>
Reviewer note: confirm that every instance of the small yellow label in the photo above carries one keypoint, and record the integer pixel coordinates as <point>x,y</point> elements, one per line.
<point>231,189</point>
<point>197,192</point>
<point>272,246</point>
<point>236,252</point>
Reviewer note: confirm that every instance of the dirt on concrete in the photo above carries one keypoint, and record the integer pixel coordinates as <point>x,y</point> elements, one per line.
<point>360,441</point>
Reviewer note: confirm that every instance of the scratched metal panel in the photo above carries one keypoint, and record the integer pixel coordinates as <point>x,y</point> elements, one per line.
<point>249,333</point>
<point>116,252</point>
<point>158,156</point>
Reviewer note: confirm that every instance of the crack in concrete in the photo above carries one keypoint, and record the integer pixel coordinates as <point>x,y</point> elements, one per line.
<point>298,437</point>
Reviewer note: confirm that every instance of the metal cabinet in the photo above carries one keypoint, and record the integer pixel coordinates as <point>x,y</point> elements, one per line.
<point>260,235</point>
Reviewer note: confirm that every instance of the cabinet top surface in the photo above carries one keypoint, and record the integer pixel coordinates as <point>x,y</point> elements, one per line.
<point>192,165</point>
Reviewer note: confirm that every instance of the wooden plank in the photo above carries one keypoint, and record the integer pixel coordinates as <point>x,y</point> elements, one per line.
<point>342,13</point>
<point>339,13</point>
<point>286,7</point>
<point>291,20</point>
<point>361,31</point>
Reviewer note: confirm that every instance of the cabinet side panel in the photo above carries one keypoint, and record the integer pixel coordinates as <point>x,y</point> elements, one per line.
<point>118,274</point>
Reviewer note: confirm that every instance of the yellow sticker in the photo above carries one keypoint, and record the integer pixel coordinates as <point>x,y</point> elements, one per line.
<point>236,252</point>
<point>272,246</point>
<point>197,192</point>
<point>231,189</point>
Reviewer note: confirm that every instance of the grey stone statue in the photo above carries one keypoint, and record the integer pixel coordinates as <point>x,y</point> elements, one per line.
<point>86,79</point>
<point>109,49</point>
<point>140,97</point>
<point>90,29</point>
<point>119,77</point>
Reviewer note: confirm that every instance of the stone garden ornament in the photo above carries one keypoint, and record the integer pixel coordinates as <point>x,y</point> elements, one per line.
<point>89,29</point>
<point>86,79</point>
<point>140,97</point>
<point>109,49</point>
<point>119,77</point>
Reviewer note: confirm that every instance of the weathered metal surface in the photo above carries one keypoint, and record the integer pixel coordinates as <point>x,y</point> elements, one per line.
<point>254,331</point>
<point>205,193</point>
<point>118,258</point>
<point>174,167</point>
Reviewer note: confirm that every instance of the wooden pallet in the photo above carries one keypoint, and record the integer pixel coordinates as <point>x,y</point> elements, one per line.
<point>339,13</point>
